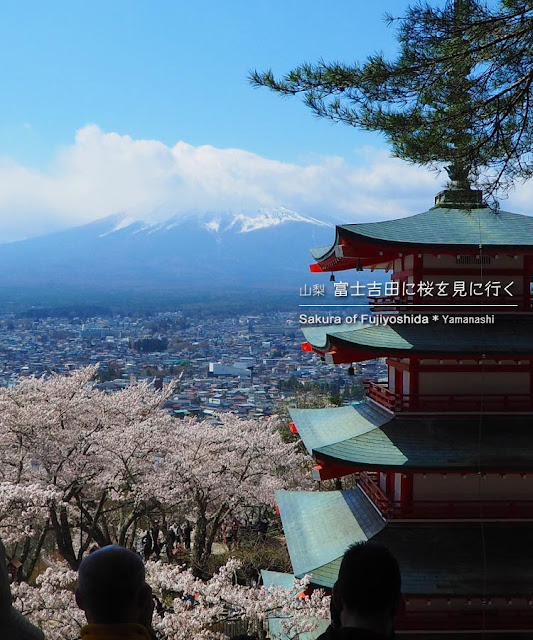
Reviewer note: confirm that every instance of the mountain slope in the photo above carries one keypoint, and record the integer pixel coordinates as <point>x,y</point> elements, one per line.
<point>266,250</point>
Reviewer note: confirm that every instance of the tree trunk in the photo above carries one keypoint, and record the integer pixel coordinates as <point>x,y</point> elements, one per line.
<point>200,535</point>
<point>91,528</point>
<point>63,536</point>
<point>214,528</point>
<point>32,558</point>
<point>123,533</point>
<point>261,631</point>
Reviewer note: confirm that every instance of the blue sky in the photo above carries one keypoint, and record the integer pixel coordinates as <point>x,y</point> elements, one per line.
<point>133,107</point>
<point>169,70</point>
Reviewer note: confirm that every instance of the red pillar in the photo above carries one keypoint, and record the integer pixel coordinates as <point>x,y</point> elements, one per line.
<point>414,383</point>
<point>406,491</point>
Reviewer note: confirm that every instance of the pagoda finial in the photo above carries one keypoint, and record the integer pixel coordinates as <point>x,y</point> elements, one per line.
<point>459,176</point>
<point>459,193</point>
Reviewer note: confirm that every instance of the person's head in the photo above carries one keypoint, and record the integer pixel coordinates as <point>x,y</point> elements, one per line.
<point>13,625</point>
<point>368,589</point>
<point>112,587</point>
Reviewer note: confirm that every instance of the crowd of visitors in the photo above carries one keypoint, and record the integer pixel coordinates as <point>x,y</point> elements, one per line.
<point>176,539</point>
<point>160,538</point>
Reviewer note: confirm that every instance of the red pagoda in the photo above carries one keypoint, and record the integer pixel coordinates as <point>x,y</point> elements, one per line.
<point>442,451</point>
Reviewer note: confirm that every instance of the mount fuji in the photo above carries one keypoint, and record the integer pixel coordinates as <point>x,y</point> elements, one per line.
<point>209,251</point>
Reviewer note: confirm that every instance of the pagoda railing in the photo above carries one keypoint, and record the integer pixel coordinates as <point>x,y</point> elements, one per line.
<point>368,483</point>
<point>448,402</point>
<point>461,509</point>
<point>486,303</point>
<point>442,509</point>
<point>381,393</point>
<point>486,617</point>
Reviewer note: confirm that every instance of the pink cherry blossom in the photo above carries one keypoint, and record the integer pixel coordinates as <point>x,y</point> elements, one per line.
<point>81,467</point>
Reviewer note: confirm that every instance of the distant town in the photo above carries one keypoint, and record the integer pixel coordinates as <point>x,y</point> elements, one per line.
<point>250,365</point>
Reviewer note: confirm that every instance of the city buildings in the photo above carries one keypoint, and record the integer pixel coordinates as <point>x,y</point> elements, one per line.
<point>261,367</point>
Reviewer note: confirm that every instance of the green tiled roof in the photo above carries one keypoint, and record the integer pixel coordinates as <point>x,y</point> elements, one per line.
<point>277,579</point>
<point>441,226</point>
<point>438,559</point>
<point>319,526</point>
<point>277,631</point>
<point>275,623</point>
<point>322,427</point>
<point>326,576</point>
<point>506,335</point>
<point>362,436</point>
<point>318,336</point>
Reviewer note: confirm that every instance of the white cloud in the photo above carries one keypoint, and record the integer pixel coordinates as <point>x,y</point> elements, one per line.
<point>104,173</point>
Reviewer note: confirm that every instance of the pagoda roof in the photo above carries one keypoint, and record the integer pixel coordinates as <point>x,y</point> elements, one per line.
<point>275,624</point>
<point>508,335</point>
<point>320,525</point>
<point>277,579</point>
<point>441,226</point>
<point>365,437</point>
<point>436,559</point>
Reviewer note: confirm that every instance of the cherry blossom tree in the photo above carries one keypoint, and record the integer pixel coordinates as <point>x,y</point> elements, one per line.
<point>24,521</point>
<point>57,434</point>
<point>51,605</point>
<point>81,467</point>
<point>91,467</point>
<point>223,470</point>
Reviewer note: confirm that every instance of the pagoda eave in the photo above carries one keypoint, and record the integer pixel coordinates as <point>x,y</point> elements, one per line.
<point>363,437</point>
<point>336,354</point>
<point>353,466</point>
<point>345,255</point>
<point>339,353</point>
<point>439,230</point>
<point>446,228</point>
<point>441,560</point>
<point>421,337</point>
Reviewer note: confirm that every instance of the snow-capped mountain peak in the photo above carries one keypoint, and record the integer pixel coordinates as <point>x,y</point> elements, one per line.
<point>122,223</point>
<point>265,218</point>
<point>211,249</point>
<point>214,222</point>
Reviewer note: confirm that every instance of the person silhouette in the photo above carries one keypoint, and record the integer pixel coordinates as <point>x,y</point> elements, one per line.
<point>113,593</point>
<point>13,625</point>
<point>367,595</point>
